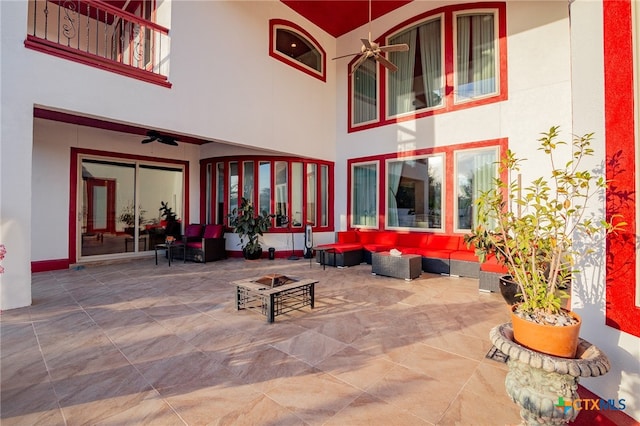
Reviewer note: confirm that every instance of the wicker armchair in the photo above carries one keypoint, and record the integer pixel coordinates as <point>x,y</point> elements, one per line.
<point>208,246</point>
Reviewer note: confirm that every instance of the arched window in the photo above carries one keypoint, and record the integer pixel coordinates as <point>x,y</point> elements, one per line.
<point>294,46</point>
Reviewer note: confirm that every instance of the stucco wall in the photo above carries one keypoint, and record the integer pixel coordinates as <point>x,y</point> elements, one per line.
<point>226,87</point>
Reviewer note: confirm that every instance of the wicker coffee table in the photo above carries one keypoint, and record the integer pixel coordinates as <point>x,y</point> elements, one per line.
<point>407,266</point>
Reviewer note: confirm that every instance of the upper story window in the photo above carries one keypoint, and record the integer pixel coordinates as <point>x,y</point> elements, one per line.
<point>476,68</point>
<point>295,47</point>
<point>365,92</point>
<point>454,61</point>
<point>419,81</point>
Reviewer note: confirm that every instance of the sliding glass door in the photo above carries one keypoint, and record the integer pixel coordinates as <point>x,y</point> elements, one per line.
<point>119,204</point>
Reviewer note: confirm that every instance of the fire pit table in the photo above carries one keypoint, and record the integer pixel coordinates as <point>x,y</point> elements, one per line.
<point>274,294</point>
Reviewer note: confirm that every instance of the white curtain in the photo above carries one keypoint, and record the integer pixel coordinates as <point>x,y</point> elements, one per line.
<point>365,199</point>
<point>431,58</point>
<point>484,172</point>
<point>365,102</point>
<point>476,54</point>
<point>394,173</point>
<point>400,85</point>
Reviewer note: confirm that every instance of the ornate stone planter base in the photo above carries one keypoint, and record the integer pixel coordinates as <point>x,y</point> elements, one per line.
<point>545,386</point>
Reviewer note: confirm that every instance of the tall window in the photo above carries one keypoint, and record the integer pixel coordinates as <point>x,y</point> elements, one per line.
<point>312,182</point>
<point>282,194</point>
<point>475,48</point>
<point>264,180</point>
<point>325,185</point>
<point>365,92</point>
<point>475,173</point>
<point>296,194</point>
<point>364,195</point>
<point>414,192</point>
<point>234,181</point>
<point>220,193</point>
<point>419,81</point>
<point>247,180</point>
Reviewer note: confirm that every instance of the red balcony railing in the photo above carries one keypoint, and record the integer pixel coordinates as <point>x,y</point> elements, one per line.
<point>98,34</point>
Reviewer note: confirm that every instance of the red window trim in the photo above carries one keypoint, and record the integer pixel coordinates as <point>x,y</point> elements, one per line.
<point>274,24</point>
<point>622,313</point>
<point>449,184</point>
<point>256,162</point>
<point>449,105</point>
<point>73,187</point>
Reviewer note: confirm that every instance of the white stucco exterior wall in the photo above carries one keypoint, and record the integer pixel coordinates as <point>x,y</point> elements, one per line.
<point>226,87</point>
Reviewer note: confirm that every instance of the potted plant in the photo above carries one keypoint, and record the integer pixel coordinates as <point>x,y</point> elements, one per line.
<point>538,231</point>
<point>172,225</point>
<point>128,217</point>
<point>250,226</point>
<point>531,228</point>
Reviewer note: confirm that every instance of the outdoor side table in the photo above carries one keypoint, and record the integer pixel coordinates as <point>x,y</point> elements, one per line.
<point>407,266</point>
<point>169,248</point>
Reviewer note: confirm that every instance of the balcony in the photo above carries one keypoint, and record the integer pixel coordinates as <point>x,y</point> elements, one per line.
<point>101,35</point>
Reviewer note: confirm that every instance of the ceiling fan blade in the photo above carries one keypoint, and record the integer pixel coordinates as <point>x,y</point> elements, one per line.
<point>386,63</point>
<point>148,140</point>
<point>359,62</point>
<point>366,43</point>
<point>395,48</point>
<point>169,141</point>
<point>345,56</point>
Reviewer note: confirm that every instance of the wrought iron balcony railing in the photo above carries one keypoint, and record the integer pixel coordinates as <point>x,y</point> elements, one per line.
<point>99,34</point>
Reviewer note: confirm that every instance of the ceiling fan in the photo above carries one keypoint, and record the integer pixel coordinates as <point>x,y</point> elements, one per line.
<point>371,49</point>
<point>157,136</point>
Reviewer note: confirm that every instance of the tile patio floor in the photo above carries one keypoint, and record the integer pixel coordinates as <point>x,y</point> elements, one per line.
<point>135,343</point>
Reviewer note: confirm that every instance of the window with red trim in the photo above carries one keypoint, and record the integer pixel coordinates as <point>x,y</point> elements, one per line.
<point>295,47</point>
<point>456,59</point>
<point>423,190</point>
<point>298,191</point>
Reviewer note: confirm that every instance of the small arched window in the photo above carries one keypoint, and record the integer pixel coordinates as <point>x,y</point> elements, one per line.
<point>292,45</point>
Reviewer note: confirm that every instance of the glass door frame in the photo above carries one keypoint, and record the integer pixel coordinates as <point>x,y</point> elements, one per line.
<point>75,199</point>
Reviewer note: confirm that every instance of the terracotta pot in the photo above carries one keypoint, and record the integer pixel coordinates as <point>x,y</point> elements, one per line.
<point>560,341</point>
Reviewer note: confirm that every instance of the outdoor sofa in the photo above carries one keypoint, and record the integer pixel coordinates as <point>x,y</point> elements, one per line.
<point>441,254</point>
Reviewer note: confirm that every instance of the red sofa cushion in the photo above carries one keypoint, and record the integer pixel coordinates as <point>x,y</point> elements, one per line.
<point>213,231</point>
<point>444,242</point>
<point>492,265</point>
<point>377,248</point>
<point>193,230</point>
<point>415,239</point>
<point>347,237</point>
<point>367,237</point>
<point>341,248</point>
<point>466,255</point>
